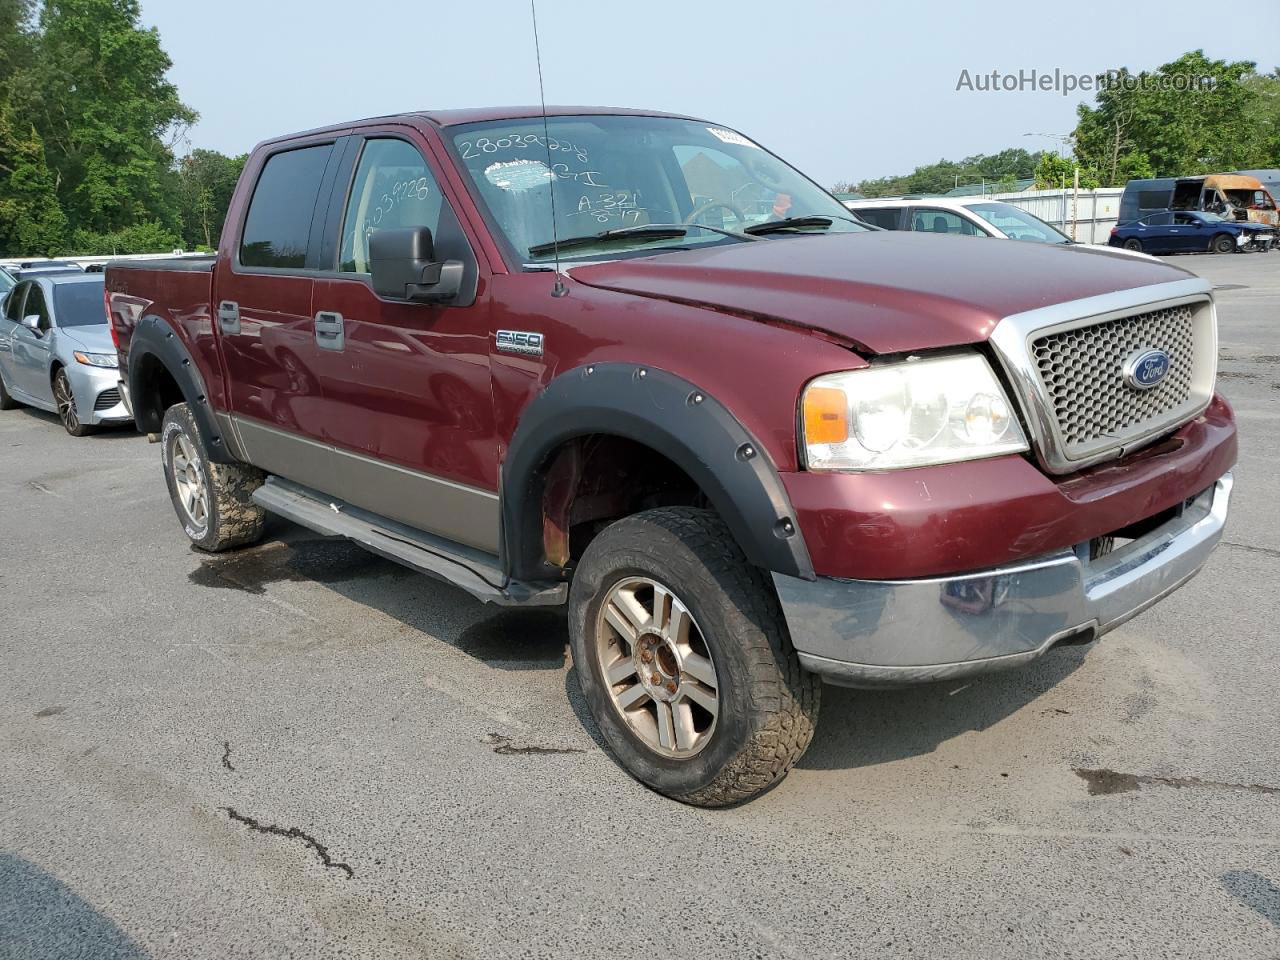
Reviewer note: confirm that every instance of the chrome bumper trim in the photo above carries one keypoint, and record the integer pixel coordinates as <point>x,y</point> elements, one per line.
<point>878,633</point>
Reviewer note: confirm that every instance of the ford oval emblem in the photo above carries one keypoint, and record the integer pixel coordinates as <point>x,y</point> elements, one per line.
<point>1146,369</point>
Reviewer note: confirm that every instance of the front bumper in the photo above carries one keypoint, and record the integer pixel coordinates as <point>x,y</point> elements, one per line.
<point>877,633</point>
<point>97,393</point>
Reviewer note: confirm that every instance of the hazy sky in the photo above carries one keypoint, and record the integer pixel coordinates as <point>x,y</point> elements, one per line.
<point>843,91</point>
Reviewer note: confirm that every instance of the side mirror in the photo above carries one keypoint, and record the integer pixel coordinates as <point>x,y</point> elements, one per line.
<point>402,266</point>
<point>32,322</point>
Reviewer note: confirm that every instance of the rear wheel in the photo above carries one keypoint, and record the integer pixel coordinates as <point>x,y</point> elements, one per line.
<point>1133,243</point>
<point>684,657</point>
<point>1222,243</point>
<point>65,399</point>
<point>6,402</point>
<point>213,500</point>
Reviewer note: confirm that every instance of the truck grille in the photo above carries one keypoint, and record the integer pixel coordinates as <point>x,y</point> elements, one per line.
<point>1082,373</point>
<point>106,400</point>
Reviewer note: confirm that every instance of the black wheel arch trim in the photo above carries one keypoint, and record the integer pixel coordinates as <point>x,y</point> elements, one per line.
<point>673,416</point>
<point>153,337</point>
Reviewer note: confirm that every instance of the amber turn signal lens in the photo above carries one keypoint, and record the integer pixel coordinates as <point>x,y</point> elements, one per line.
<point>826,415</point>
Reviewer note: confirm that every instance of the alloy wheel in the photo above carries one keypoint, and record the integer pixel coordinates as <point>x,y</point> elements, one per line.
<point>657,667</point>
<point>65,400</point>
<point>188,479</point>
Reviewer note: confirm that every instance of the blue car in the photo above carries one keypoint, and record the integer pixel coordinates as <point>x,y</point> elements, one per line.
<point>1192,231</point>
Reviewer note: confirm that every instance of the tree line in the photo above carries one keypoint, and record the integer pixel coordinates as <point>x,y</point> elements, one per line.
<point>1192,115</point>
<point>89,135</point>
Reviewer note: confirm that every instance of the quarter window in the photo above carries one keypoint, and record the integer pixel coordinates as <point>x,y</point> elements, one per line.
<point>393,188</point>
<point>278,227</point>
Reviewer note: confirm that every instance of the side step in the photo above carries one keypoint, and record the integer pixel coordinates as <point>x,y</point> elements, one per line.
<point>473,570</point>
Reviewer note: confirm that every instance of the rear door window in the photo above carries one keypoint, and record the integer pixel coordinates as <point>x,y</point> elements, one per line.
<point>885,217</point>
<point>1159,220</point>
<point>277,229</point>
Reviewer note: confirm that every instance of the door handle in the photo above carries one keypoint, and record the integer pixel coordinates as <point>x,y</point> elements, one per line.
<point>229,317</point>
<point>329,330</point>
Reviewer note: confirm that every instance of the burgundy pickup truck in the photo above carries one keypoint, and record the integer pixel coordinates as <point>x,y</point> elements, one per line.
<point>749,441</point>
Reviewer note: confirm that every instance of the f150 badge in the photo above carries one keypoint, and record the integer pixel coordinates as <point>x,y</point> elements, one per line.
<point>520,341</point>
<point>1146,368</point>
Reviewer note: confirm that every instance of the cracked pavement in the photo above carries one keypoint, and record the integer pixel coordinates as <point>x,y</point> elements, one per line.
<point>305,751</point>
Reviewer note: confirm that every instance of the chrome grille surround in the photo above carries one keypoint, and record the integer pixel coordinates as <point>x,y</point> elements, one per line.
<point>1064,363</point>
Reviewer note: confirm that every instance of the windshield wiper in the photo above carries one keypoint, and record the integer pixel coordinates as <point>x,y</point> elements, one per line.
<point>791,223</point>
<point>644,231</point>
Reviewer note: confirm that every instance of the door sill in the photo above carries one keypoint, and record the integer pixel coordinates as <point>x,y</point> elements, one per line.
<point>475,571</point>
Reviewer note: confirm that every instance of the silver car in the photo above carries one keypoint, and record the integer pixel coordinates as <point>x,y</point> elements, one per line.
<point>56,351</point>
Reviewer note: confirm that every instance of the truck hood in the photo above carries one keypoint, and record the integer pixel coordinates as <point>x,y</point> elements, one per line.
<point>880,292</point>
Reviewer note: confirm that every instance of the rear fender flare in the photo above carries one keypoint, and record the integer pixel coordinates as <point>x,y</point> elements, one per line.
<point>154,338</point>
<point>669,414</point>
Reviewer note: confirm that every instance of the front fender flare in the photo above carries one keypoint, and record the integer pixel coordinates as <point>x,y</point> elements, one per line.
<point>676,418</point>
<point>152,337</point>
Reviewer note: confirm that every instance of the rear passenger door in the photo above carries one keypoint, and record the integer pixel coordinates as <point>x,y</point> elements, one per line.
<point>409,407</point>
<point>263,317</point>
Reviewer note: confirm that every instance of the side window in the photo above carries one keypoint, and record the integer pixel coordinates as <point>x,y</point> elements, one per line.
<point>1159,220</point>
<point>1185,220</point>
<point>1153,199</point>
<point>886,217</point>
<point>393,188</point>
<point>36,304</point>
<point>933,220</point>
<point>278,226</point>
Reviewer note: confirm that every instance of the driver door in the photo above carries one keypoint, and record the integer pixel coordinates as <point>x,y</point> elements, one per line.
<point>31,347</point>
<point>9,323</point>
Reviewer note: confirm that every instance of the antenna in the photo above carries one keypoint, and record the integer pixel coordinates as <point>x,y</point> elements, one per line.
<point>558,289</point>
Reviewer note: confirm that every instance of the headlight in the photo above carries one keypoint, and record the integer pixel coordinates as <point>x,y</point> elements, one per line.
<point>96,359</point>
<point>907,415</point>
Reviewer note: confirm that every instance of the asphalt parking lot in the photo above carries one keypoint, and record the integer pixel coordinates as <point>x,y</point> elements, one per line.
<point>302,750</point>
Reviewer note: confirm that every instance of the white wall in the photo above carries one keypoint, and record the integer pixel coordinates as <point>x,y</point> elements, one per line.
<point>1095,212</point>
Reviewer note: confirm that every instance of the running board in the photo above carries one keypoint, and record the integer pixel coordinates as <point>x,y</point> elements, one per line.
<point>473,570</point>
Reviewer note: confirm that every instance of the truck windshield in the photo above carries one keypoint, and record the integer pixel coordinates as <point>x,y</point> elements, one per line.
<point>1017,224</point>
<point>612,172</point>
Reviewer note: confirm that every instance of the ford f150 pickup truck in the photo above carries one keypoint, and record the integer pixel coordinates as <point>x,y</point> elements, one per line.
<point>635,365</point>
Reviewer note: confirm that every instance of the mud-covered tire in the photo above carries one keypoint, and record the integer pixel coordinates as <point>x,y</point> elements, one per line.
<point>1223,243</point>
<point>6,401</point>
<point>229,517</point>
<point>767,704</point>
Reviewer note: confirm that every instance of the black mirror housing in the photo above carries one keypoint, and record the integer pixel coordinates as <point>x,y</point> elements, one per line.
<point>402,266</point>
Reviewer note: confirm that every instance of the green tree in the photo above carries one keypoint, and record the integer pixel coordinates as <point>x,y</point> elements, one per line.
<point>1191,115</point>
<point>1054,172</point>
<point>1263,112</point>
<point>206,181</point>
<point>1006,166</point>
<point>152,237</point>
<point>30,219</point>
<point>96,91</point>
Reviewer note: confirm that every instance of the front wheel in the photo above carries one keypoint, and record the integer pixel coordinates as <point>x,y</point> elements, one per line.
<point>65,399</point>
<point>1222,243</point>
<point>684,658</point>
<point>213,500</point>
